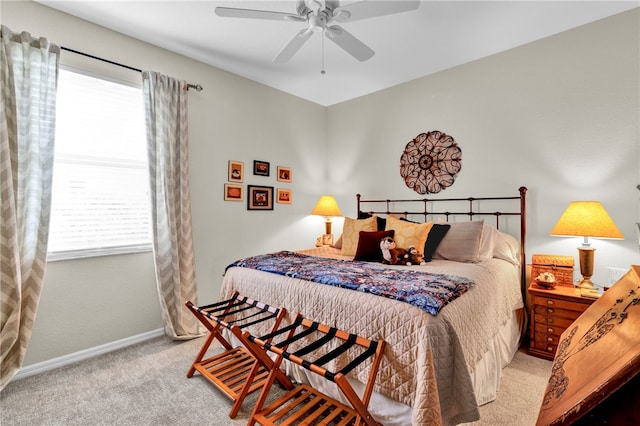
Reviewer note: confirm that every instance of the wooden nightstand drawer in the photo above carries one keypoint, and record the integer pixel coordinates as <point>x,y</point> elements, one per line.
<point>546,339</point>
<point>556,320</point>
<point>556,312</point>
<point>548,330</point>
<point>552,312</point>
<point>548,349</point>
<point>551,303</point>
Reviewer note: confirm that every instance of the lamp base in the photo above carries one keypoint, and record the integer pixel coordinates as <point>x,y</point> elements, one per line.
<point>585,288</point>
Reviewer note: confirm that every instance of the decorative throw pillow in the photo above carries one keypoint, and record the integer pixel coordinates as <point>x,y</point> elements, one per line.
<point>351,232</point>
<point>409,234</point>
<point>461,243</point>
<point>436,234</point>
<point>369,245</point>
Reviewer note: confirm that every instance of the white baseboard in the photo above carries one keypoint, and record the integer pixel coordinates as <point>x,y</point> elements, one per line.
<point>51,364</point>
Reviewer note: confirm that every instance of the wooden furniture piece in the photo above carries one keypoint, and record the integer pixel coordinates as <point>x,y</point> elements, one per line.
<point>561,267</point>
<point>595,377</point>
<point>552,312</point>
<point>304,404</point>
<point>238,371</point>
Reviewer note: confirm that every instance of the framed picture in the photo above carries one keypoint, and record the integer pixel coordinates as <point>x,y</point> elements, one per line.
<point>283,196</point>
<point>260,168</point>
<point>284,174</point>
<point>259,197</point>
<point>233,192</point>
<point>236,171</point>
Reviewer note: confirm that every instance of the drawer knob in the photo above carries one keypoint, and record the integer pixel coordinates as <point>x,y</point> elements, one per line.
<point>549,302</point>
<point>549,330</point>
<point>549,339</point>
<point>549,348</point>
<point>550,320</point>
<point>550,310</point>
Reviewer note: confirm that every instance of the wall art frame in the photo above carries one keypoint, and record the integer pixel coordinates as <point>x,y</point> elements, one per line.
<point>233,192</point>
<point>236,171</point>
<point>259,197</point>
<point>284,174</point>
<point>261,168</point>
<point>283,196</point>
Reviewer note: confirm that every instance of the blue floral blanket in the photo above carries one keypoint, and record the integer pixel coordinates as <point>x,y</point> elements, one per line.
<point>427,291</point>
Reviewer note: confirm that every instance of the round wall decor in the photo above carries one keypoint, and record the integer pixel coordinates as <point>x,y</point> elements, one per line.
<point>430,162</point>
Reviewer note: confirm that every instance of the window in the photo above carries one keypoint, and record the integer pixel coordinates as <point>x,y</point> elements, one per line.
<point>100,201</point>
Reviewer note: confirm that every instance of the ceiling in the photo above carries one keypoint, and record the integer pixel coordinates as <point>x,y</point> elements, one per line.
<point>437,36</point>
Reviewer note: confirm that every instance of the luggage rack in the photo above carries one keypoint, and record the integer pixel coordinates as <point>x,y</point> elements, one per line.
<point>238,371</point>
<point>304,404</point>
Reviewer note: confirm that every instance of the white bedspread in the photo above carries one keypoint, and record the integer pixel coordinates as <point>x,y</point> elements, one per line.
<point>455,339</point>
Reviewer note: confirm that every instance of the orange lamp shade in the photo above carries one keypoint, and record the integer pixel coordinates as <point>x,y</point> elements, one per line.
<point>586,219</point>
<point>327,206</point>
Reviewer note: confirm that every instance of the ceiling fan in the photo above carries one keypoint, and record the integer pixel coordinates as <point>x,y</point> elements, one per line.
<point>320,16</point>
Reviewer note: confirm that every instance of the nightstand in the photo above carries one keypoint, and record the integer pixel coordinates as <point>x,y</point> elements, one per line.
<point>552,312</point>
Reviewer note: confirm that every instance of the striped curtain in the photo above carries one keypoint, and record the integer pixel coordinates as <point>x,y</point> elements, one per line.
<point>167,143</point>
<point>29,75</point>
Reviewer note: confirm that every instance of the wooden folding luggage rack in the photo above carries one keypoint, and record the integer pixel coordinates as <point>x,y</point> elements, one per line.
<point>305,405</point>
<point>238,371</point>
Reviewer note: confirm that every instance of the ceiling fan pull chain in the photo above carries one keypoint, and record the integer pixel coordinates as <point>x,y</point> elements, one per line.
<point>322,71</point>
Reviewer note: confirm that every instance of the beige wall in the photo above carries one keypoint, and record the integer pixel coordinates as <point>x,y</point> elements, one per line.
<point>560,116</point>
<point>90,302</point>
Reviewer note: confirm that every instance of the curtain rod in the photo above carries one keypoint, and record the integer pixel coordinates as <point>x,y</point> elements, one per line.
<point>188,86</point>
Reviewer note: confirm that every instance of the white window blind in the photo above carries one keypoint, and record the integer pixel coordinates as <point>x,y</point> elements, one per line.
<point>100,201</point>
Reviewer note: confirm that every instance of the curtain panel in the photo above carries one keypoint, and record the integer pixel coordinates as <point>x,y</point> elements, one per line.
<point>29,75</point>
<point>167,143</point>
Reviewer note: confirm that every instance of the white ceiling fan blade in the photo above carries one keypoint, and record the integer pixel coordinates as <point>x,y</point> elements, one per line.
<point>230,12</point>
<point>348,42</point>
<point>293,46</point>
<point>371,9</point>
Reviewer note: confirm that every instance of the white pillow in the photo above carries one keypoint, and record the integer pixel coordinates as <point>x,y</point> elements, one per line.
<point>507,248</point>
<point>487,242</point>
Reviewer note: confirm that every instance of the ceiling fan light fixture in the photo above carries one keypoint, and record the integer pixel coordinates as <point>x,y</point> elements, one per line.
<point>318,22</point>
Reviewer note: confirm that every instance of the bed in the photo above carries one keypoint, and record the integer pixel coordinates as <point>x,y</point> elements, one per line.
<point>438,366</point>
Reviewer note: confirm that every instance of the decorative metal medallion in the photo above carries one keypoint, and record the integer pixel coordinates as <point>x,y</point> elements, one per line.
<point>430,162</point>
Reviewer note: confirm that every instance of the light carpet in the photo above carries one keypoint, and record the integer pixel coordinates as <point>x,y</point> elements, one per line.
<point>146,384</point>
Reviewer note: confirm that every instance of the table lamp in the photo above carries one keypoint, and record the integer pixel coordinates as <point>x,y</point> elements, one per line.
<point>327,207</point>
<point>586,219</point>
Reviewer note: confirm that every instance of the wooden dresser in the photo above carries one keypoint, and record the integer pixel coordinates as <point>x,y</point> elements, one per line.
<point>552,311</point>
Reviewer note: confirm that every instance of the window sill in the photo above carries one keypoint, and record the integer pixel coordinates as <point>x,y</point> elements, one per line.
<point>56,256</point>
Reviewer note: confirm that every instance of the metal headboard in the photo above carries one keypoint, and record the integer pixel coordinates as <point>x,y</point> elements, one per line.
<point>470,207</point>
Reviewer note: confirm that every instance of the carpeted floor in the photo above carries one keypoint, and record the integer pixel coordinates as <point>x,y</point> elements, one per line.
<point>146,384</point>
